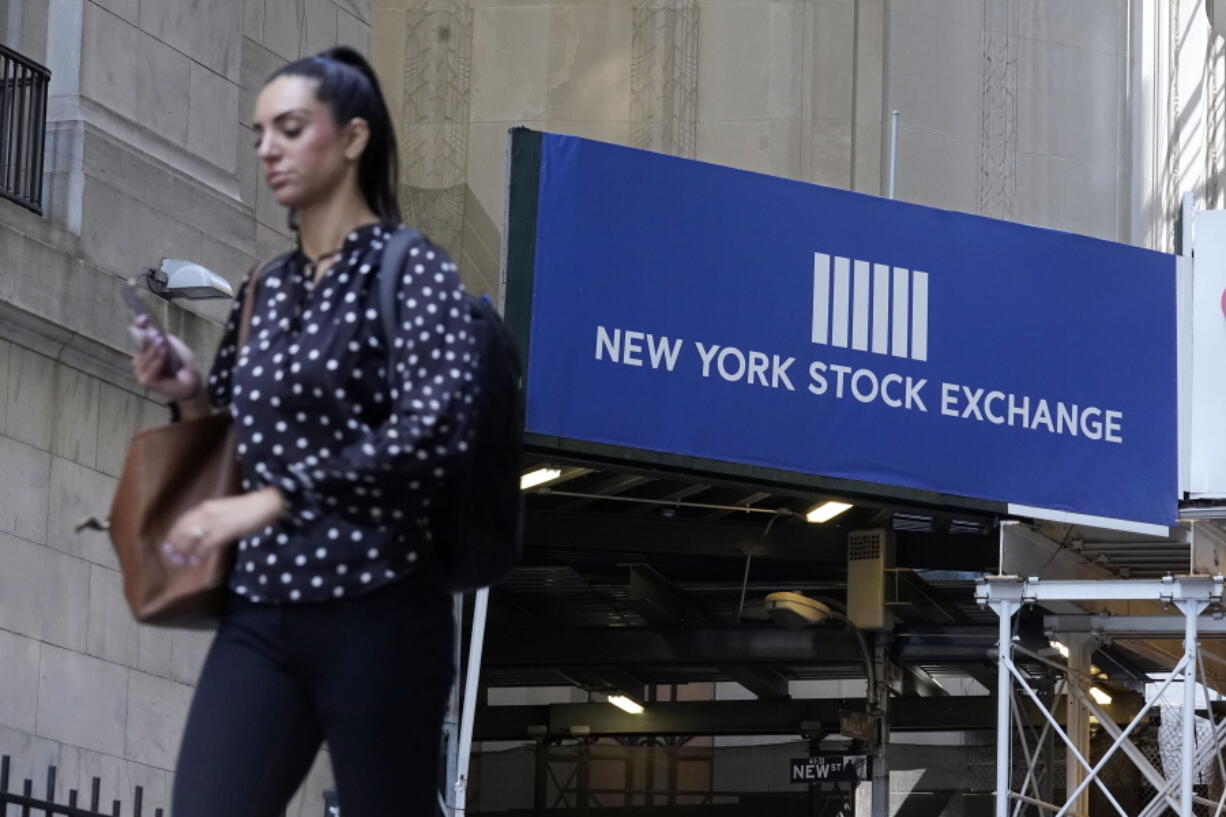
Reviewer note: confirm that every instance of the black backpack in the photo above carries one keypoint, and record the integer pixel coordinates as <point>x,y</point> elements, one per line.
<point>477,515</point>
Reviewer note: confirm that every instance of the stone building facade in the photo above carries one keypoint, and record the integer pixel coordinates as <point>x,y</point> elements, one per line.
<point>1090,116</point>
<point>148,156</point>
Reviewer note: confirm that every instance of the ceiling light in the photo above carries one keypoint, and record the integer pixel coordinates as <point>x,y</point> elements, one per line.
<point>538,477</point>
<point>827,511</point>
<point>1060,648</point>
<point>626,704</point>
<point>1100,697</point>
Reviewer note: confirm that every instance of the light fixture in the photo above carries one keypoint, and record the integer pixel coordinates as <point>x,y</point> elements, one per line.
<point>827,510</point>
<point>1100,697</point>
<point>538,477</point>
<point>177,278</point>
<point>1060,648</point>
<point>626,704</point>
<point>795,609</point>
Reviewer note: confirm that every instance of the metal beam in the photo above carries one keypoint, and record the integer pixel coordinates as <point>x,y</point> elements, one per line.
<point>511,611</point>
<point>659,602</point>
<point>1134,626</point>
<point>605,679</point>
<point>748,501</point>
<point>718,647</point>
<point>738,717</point>
<point>1017,589</point>
<point>764,682</point>
<point>636,538</point>
<point>914,681</point>
<point>679,495</point>
<point>924,599</point>
<point>1122,668</point>
<point>613,486</point>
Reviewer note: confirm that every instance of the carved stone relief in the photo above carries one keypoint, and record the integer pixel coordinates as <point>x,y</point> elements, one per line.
<point>828,46</point>
<point>664,76</point>
<point>1171,188</point>
<point>1215,63</point>
<point>998,123</point>
<point>434,123</point>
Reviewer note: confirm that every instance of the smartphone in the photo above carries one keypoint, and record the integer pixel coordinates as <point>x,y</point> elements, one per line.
<point>152,330</point>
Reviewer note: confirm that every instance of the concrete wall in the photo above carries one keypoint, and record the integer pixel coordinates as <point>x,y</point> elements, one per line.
<point>1090,117</point>
<point>765,86</point>
<point>148,155</point>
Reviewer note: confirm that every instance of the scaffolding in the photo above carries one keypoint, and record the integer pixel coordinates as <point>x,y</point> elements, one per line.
<point>1192,596</point>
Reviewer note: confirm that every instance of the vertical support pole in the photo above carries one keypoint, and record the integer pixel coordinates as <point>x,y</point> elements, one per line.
<point>815,747</point>
<point>1077,720</point>
<point>475,646</point>
<point>540,791</point>
<point>863,799</point>
<point>583,781</point>
<point>1047,746</point>
<point>893,151</point>
<point>671,754</point>
<point>881,699</point>
<point>1191,610</point>
<point>650,776</point>
<point>451,722</point>
<point>1004,650</point>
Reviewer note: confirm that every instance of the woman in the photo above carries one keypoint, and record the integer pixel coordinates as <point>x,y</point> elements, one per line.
<point>336,630</point>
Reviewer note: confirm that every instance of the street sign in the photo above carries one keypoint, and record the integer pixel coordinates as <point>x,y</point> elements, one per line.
<point>831,768</point>
<point>858,726</point>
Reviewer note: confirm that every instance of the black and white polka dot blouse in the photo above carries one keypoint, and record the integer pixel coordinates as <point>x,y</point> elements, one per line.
<point>356,454</point>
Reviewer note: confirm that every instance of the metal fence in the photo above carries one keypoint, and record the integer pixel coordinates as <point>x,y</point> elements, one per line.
<point>23,126</point>
<point>27,803</point>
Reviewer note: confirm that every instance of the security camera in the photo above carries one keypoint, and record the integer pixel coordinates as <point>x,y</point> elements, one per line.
<point>175,278</point>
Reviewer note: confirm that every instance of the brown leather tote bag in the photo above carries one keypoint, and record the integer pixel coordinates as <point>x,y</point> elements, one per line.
<point>169,470</point>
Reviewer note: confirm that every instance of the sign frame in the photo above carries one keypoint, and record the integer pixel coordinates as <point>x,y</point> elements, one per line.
<point>524,176</point>
<point>861,767</point>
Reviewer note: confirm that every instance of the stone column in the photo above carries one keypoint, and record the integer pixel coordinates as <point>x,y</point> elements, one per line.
<point>998,112</point>
<point>434,117</point>
<point>664,77</point>
<point>839,61</point>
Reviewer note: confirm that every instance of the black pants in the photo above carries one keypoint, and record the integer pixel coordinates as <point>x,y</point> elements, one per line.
<point>370,674</point>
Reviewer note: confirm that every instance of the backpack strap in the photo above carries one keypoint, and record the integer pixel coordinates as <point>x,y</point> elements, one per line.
<point>253,280</point>
<point>395,255</point>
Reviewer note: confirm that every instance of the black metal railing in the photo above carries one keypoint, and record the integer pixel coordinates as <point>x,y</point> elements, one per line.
<point>23,126</point>
<point>27,803</point>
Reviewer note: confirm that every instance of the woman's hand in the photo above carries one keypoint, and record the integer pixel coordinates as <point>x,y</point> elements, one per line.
<point>218,522</point>
<point>149,366</point>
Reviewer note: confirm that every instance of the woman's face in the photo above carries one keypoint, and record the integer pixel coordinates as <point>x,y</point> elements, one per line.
<point>302,152</point>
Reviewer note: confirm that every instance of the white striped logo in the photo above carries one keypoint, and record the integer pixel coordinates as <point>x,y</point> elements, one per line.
<point>870,307</point>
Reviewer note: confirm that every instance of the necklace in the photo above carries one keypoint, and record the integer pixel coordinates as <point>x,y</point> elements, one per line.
<point>312,265</point>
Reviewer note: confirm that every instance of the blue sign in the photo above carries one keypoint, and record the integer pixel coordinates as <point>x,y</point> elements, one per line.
<point>697,310</point>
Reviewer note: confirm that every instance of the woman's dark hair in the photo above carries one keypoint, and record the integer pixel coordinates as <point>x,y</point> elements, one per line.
<point>347,85</point>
